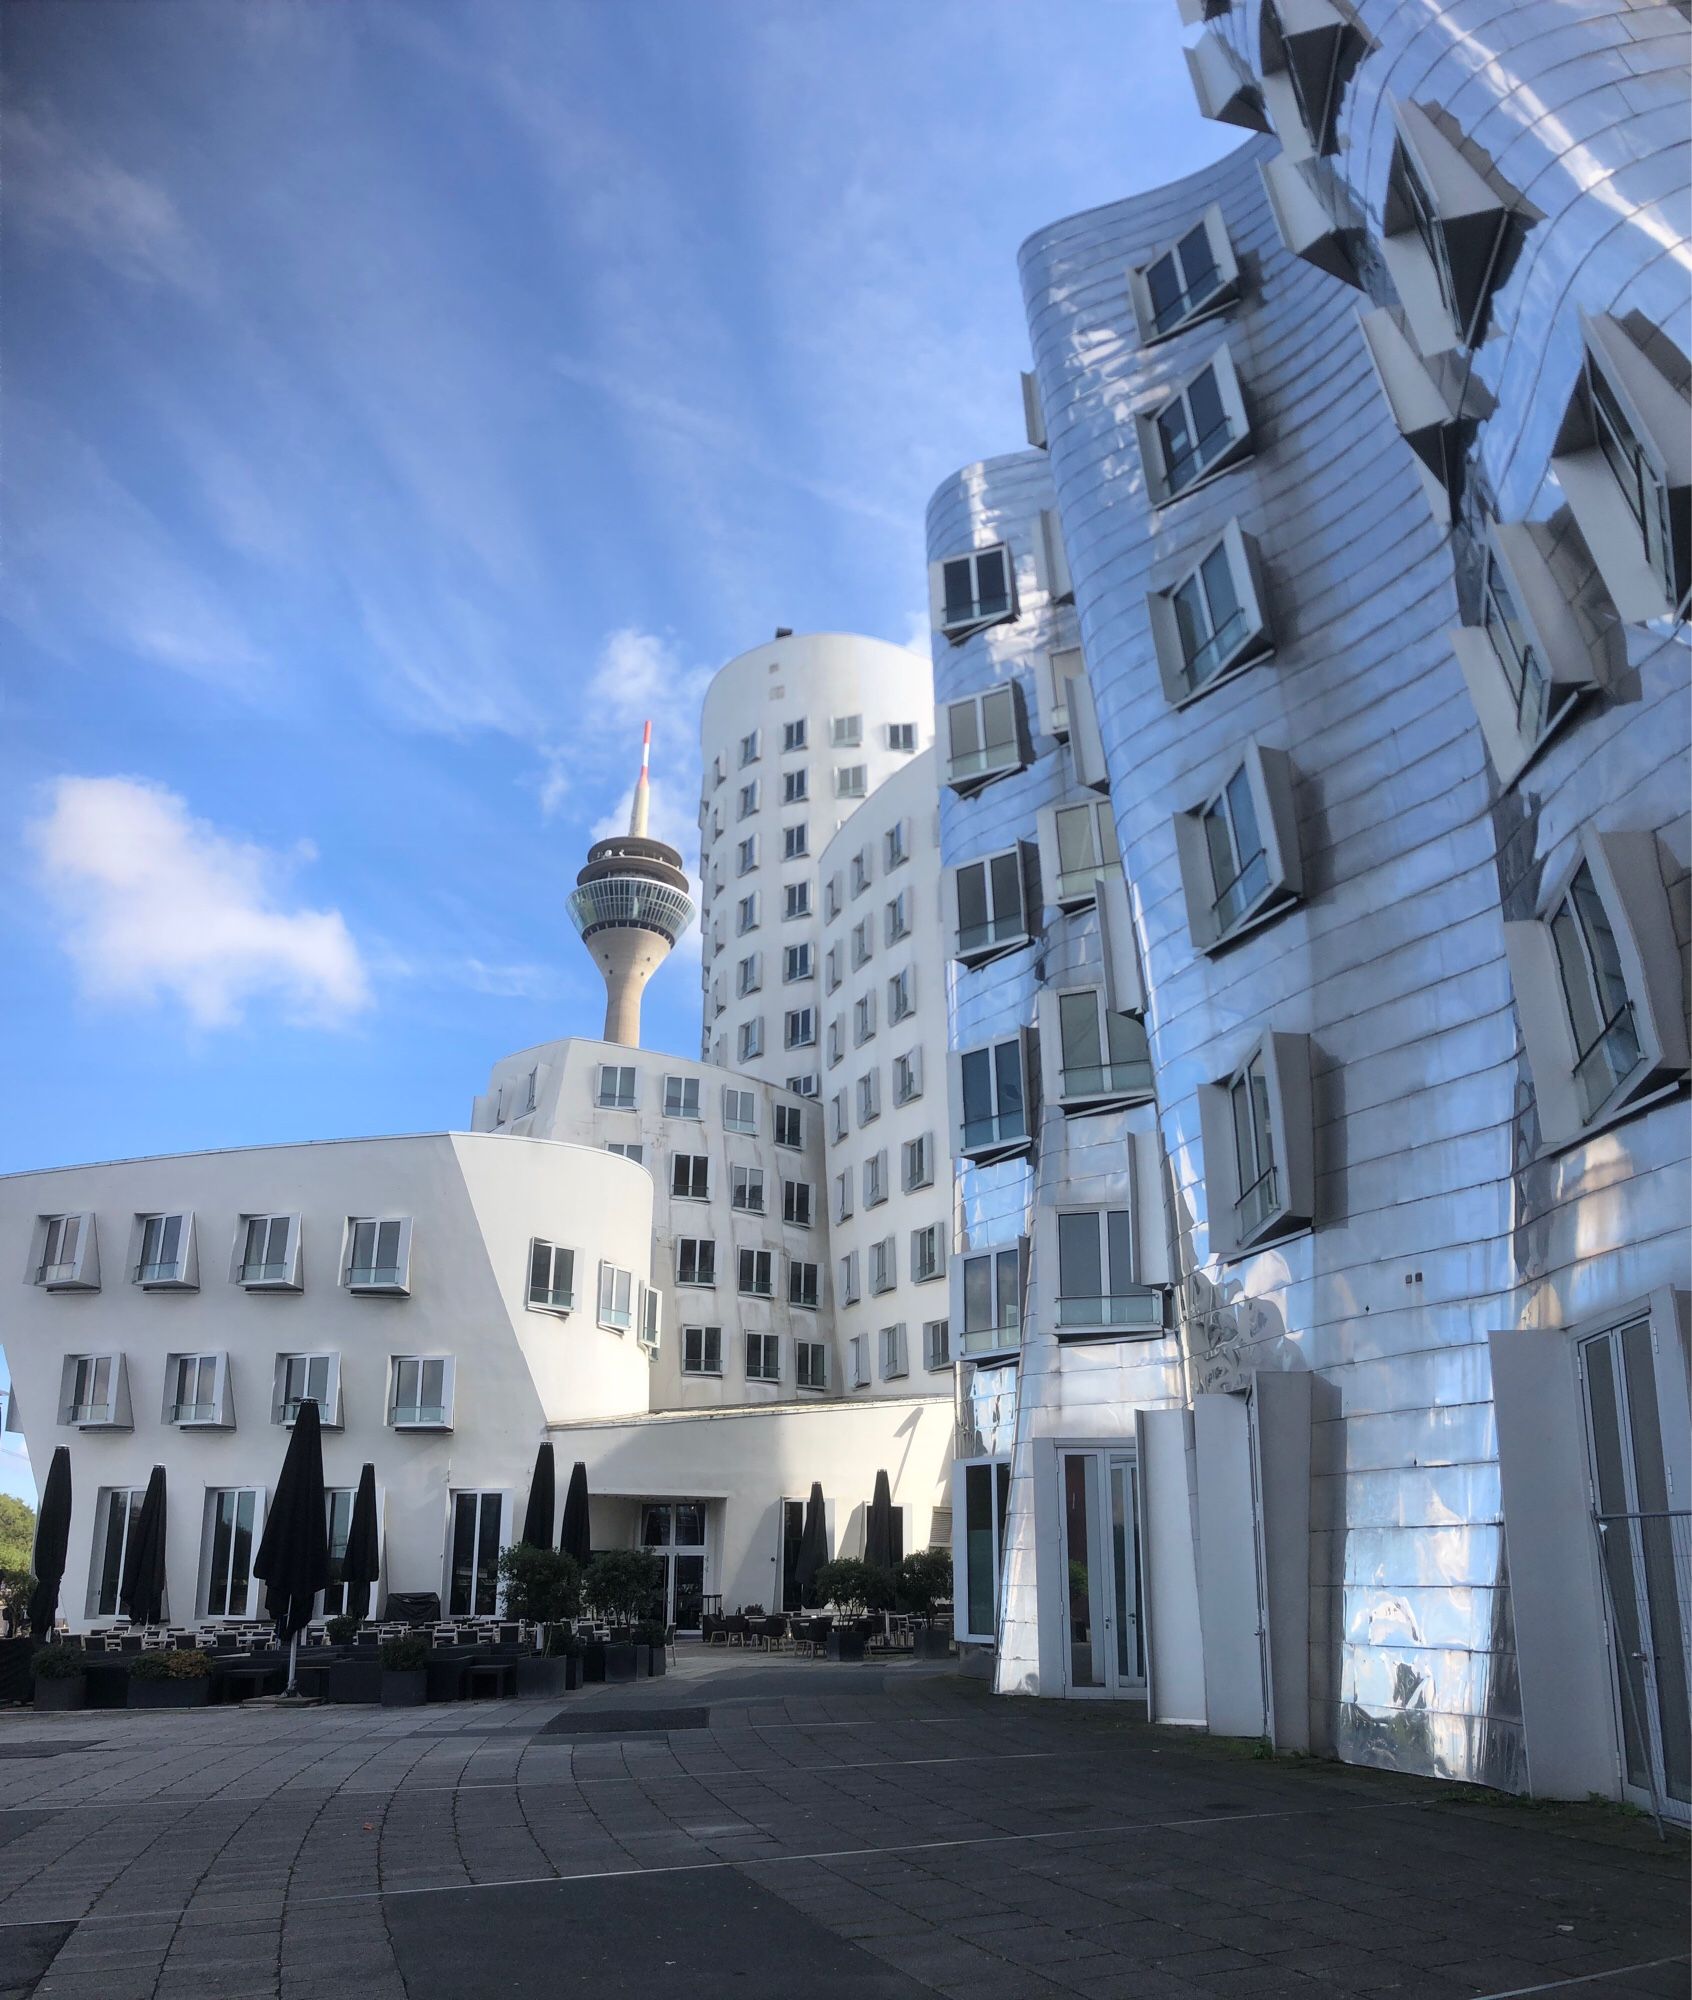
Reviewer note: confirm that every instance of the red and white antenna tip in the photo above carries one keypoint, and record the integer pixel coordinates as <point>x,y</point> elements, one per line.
<point>646,746</point>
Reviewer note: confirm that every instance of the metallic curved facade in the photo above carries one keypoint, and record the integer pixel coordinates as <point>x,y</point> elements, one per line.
<point>1443,1221</point>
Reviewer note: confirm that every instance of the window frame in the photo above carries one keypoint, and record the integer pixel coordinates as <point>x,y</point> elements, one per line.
<point>705,1346</point>
<point>983,611</point>
<point>785,1117</point>
<point>113,1412</point>
<point>1445,233</point>
<point>204,1575</point>
<point>925,1270</point>
<point>744,1182</point>
<point>617,1102</point>
<point>810,1366</point>
<point>892,1350</point>
<point>382,1280</point>
<point>78,1273</point>
<point>606,1311</point>
<point>798,1204</point>
<point>183,1273</point>
<point>966,782</point>
<point>1305,70</point>
<point>1224,291</point>
<point>1132,1308</point>
<point>916,1163</point>
<point>1269,787</point>
<point>1026,856</point>
<point>1004,1337</point>
<point>220,1411</point>
<point>1249,647</point>
<point>550,1303</point>
<point>768,1343</point>
<point>685,1167</point>
<point>754,1290</point>
<point>328,1407</point>
<point>1114,1081</point>
<point>1237,443</point>
<point>420,1416</point>
<point>907,1076</point>
<point>997,1144</point>
<point>803,1271</point>
<point>1076,889</point>
<point>695,1263</point>
<point>685,1086</point>
<point>799,1028</point>
<point>881,1268</point>
<point>936,1352</point>
<point>1241,1220</point>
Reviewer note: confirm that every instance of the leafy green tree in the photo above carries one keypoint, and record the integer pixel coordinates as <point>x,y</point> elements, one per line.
<point>625,1585</point>
<point>541,1585</point>
<point>923,1580</point>
<point>17,1533</point>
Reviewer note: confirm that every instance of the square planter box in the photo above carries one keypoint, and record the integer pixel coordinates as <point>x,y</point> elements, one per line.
<point>170,1694</point>
<point>652,1660</point>
<point>541,1675</point>
<point>356,1679</point>
<point>404,1689</point>
<point>62,1694</point>
<point>621,1660</point>
<point>845,1645</point>
<point>935,1643</point>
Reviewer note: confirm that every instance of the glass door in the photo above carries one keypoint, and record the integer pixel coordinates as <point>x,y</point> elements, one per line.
<point>674,1531</point>
<point>1103,1615</point>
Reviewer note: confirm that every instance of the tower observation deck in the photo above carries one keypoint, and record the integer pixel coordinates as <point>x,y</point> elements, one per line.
<point>630,905</point>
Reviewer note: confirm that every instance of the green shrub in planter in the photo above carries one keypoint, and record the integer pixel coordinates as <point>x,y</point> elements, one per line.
<point>854,1587</point>
<point>59,1663</point>
<point>179,1679</point>
<point>405,1672</point>
<point>562,1643</point>
<point>923,1580</point>
<point>404,1656</point>
<point>186,1664</point>
<point>624,1585</point>
<point>343,1628</point>
<point>540,1584</point>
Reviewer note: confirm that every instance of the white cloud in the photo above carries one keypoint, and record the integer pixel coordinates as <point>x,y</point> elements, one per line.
<point>156,904</point>
<point>638,677</point>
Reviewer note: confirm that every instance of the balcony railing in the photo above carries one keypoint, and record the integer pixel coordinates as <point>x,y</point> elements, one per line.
<point>982,763</point>
<point>165,1271</point>
<point>975,1342</point>
<point>92,1413</point>
<point>55,1274</point>
<point>1186,464</point>
<point>418,1416</point>
<point>1187,301</point>
<point>996,931</point>
<point>555,1298</point>
<point>1237,899</point>
<point>1118,1079</point>
<point>193,1413</point>
<point>1257,1204</point>
<point>374,1278</point>
<point>1004,1128</point>
<point>1137,1309</point>
<point>1207,659</point>
<point>1610,1061</point>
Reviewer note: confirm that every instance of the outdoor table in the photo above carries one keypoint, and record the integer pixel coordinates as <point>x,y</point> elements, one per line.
<point>500,1673</point>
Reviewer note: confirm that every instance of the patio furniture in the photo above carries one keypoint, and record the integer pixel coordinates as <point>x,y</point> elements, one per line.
<point>493,1679</point>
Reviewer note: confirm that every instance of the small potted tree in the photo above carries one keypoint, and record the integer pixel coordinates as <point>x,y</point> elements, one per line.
<point>178,1679</point>
<point>61,1677</point>
<point>922,1581</point>
<point>649,1648</point>
<point>852,1588</point>
<point>543,1587</point>
<point>564,1651</point>
<point>405,1672</point>
<point>624,1586</point>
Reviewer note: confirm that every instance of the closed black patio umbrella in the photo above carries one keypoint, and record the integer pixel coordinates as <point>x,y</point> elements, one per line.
<point>293,1552</point>
<point>575,1537</point>
<point>141,1585</point>
<point>52,1540</point>
<point>363,1561</point>
<point>878,1526</point>
<point>537,1520</point>
<point>813,1548</point>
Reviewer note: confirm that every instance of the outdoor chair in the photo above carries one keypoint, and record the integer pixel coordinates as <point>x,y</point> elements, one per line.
<point>670,1643</point>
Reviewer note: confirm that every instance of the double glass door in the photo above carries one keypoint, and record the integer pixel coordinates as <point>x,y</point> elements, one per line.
<point>1104,1623</point>
<point>674,1531</point>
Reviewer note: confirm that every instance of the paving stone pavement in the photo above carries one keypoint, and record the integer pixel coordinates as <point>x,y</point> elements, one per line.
<point>763,1827</point>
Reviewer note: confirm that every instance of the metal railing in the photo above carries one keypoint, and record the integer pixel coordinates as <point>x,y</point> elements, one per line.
<point>1258,1203</point>
<point>1139,1308</point>
<point>1238,896</point>
<point>1646,1561</point>
<point>1610,1060</point>
<point>164,1271</point>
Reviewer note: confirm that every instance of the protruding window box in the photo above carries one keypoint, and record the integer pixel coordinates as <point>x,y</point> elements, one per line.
<point>987,1303</point>
<point>1051,560</point>
<point>1225,88</point>
<point>197,1394</point>
<point>992,905</point>
<point>420,1392</point>
<point>1077,848</point>
<point>986,738</point>
<point>1525,661</point>
<point>1194,279</point>
<point>1054,671</point>
<point>163,1253</point>
<point>1624,461</point>
<point>971,591</point>
<point>650,1327</point>
<point>1444,237</point>
<point>993,1098</point>
<point>1196,434</point>
<point>1086,746</point>
<point>267,1254</point>
<point>1259,1147</point>
<point>302,1378</point>
<point>1434,412</point>
<point>1208,623</point>
<point>1033,416</point>
<point>65,1254</point>
<point>552,1277</point>
<point>1239,851</point>
<point>1099,1292</point>
<point>1305,226</point>
<point>1309,49</point>
<point>1097,1057</point>
<point>94,1393</point>
<point>378,1256</point>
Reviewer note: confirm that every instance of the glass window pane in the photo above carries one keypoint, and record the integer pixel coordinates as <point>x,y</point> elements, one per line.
<point>980,1552</point>
<point>1080,1274</point>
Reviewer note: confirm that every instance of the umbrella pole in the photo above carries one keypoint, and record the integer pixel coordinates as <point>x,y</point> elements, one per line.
<point>293,1663</point>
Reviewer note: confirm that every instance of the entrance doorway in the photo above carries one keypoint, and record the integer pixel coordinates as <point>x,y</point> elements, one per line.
<point>674,1531</point>
<point>1104,1618</point>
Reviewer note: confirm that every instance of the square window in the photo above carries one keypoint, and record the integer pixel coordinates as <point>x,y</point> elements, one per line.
<point>420,1390</point>
<point>301,1378</point>
<point>164,1253</point>
<point>746,1189</point>
<point>267,1251</point>
<point>796,899</point>
<point>1100,1053</point>
<point>1099,1286</point>
<point>616,1087</point>
<point>1208,624</point>
<point>811,1364</point>
<point>789,1125</point>
<point>898,917</point>
<point>845,732</point>
<point>740,1110</point>
<point>793,735</point>
<point>702,1350</point>
<point>749,748</point>
<point>971,591</point>
<point>901,737</point>
<point>756,1269</point>
<point>746,914</point>
<point>795,841</point>
<point>681,1097</point>
<point>616,1297</point>
<point>690,1176</point>
<point>795,787</point>
<point>800,1027</point>
<point>748,802</point>
<point>628,1149</point>
<point>796,1203</point>
<point>851,781</point>
<point>1196,433</point>
<point>763,1357</point>
<point>745,856</point>
<point>991,1088</point>
<point>552,1276</point>
<point>378,1254</point>
<point>1195,277</point>
<point>796,962</point>
<point>696,1260</point>
<point>1239,851</point>
<point>802,1284</point>
<point>901,995</point>
<point>986,738</point>
<point>993,904</point>
<point>988,1302</point>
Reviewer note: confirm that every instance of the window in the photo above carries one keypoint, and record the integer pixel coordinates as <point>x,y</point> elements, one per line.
<point>795,787</point>
<point>627,1149</point>
<point>763,1357</point>
<point>616,1087</point>
<point>306,1378</point>
<point>1624,463</point>
<point>985,738</point>
<point>1195,277</point>
<point>970,591</point>
<point>845,732</point>
<point>717,772</point>
<point>883,1266</point>
<point>843,1191</point>
<point>831,898</point>
<point>851,781</point>
<point>740,1110</point>
<point>747,804</point>
<point>1209,623</point>
<point>990,1291</point>
<point>928,1254</point>
<point>552,1276</point>
<point>1435,419</point>
<point>793,735</point>
<point>378,1257</point>
<point>702,1350</point>
<point>746,914</point>
<point>789,1125</point>
<point>749,974</point>
<point>937,1343</point>
<point>337,1510</point>
<point>1258,1147</point>
<point>478,1530</point>
<point>898,921</point>
<point>796,1203</point>
<point>795,841</point>
<point>916,1162</point>
<point>746,1190</point>
<point>901,995</point>
<point>750,1040</point>
<point>1445,235</point>
<point>66,1258</point>
<point>1102,1053</point>
<point>757,1274</point>
<point>1239,851</point>
<point>1098,1274</point>
<point>796,899</point>
<point>1077,845</point>
<point>746,855</point>
<point>116,1509</point>
<point>869,1097</point>
<point>901,737</point>
<point>1055,670</point>
<point>857,1362</point>
<point>696,1260</point>
<point>994,901</point>
<point>907,1077</point>
<point>831,969</point>
<point>863,870</point>
<point>749,748</point>
<point>650,1327</point>
<point>166,1250</point>
<point>94,1392</point>
<point>681,1097</point>
<point>195,1389</point>
<point>862,945</point>
<point>836,1040</point>
<point>893,1357</point>
<point>1309,49</point>
<point>616,1297</point>
<point>802,1284</point>
<point>228,1541</point>
<point>811,1364</point>
<point>690,1176</point>
<point>992,1090</point>
<point>420,1392</point>
<point>875,1179</point>
<point>863,1019</point>
<point>1196,433</point>
<point>799,1030</point>
<point>985,1510</point>
<point>896,844</point>
<point>267,1252</point>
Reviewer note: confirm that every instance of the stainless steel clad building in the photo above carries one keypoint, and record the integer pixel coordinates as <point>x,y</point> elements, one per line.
<point>1312,704</point>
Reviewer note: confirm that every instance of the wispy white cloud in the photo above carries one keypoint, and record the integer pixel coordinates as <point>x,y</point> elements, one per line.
<point>156,904</point>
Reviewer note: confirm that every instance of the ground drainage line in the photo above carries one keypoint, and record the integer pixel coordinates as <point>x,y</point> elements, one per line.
<point>1584,1978</point>
<point>756,1861</point>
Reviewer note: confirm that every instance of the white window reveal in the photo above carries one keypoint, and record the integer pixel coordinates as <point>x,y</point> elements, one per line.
<point>420,1392</point>
<point>894,1359</point>
<point>650,1320</point>
<point>1309,49</point>
<point>1102,1055</point>
<point>1259,1168</point>
<point>1209,625</point>
<point>795,787</point>
<point>845,732</point>
<point>378,1255</point>
<point>796,899</point>
<point>1239,851</point>
<point>750,1040</point>
<point>937,1343</point>
<point>66,1255</point>
<point>851,781</point>
<point>928,1254</point>
<point>616,1297</point>
<point>740,1110</point>
<point>1194,278</point>
<point>1053,672</point>
<point>306,1378</point>
<point>165,1259</point>
<point>917,1162</point>
<point>197,1391</point>
<point>94,1392</point>
<point>1099,1288</point>
<point>616,1087</point>
<point>1196,433</point>
<point>968,592</point>
<point>986,738</point>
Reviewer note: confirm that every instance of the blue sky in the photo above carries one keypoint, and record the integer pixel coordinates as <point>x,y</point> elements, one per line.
<point>398,402</point>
